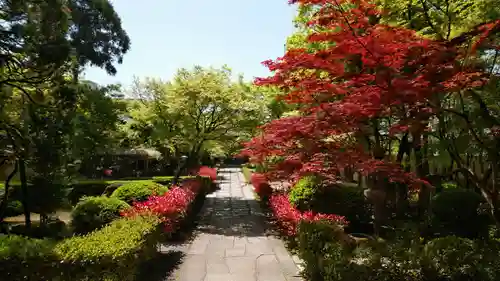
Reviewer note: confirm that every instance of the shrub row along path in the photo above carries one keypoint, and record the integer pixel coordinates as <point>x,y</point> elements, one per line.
<point>231,241</point>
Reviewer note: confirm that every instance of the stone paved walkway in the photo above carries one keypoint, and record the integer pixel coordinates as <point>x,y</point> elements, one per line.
<point>231,243</point>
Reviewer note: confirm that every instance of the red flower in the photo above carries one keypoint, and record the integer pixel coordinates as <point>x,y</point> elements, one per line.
<point>208,172</point>
<point>260,185</point>
<point>170,207</point>
<point>288,217</point>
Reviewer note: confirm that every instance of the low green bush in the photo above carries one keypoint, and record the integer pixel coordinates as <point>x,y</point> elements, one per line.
<point>138,191</point>
<point>457,212</point>
<point>24,258</point>
<point>329,256</point>
<point>93,213</point>
<point>317,247</point>
<point>14,208</point>
<point>99,187</point>
<point>451,257</point>
<point>348,200</point>
<point>303,194</point>
<point>344,199</point>
<point>112,253</point>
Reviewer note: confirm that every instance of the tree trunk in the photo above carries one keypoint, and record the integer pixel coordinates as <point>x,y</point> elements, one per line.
<point>422,168</point>
<point>5,200</point>
<point>24,190</point>
<point>376,195</point>
<point>402,190</point>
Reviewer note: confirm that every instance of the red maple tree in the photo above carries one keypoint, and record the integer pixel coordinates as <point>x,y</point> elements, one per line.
<point>372,78</point>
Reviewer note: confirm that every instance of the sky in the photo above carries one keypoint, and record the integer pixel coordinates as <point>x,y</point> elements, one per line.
<point>170,34</point>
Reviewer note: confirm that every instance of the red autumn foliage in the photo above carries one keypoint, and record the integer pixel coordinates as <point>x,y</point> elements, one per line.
<point>170,207</point>
<point>370,73</point>
<point>205,171</point>
<point>261,185</point>
<point>288,217</point>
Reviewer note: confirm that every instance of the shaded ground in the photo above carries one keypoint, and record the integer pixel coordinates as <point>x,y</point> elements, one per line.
<point>231,241</point>
<point>63,215</point>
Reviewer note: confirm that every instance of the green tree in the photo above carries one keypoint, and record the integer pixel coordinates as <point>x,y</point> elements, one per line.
<point>440,19</point>
<point>41,42</point>
<point>200,109</point>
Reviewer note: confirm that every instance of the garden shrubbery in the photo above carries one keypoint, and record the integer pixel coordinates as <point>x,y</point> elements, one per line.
<point>92,213</point>
<point>23,258</point>
<point>318,218</point>
<point>14,208</point>
<point>117,238</point>
<point>329,257</point>
<point>170,207</point>
<point>288,217</point>
<point>112,253</point>
<point>138,191</point>
<point>458,212</point>
<point>348,200</point>
<point>261,186</point>
<point>303,194</point>
<point>208,172</point>
<point>344,199</point>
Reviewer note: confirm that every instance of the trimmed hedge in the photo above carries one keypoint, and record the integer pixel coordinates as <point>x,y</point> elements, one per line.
<point>457,212</point>
<point>24,258</point>
<point>93,213</point>
<point>138,191</point>
<point>112,253</point>
<point>172,207</point>
<point>348,200</point>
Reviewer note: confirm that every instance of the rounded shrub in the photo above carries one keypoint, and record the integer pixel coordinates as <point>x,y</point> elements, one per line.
<point>457,212</point>
<point>303,193</point>
<point>93,213</point>
<point>14,208</point>
<point>138,191</point>
<point>454,258</point>
<point>348,200</point>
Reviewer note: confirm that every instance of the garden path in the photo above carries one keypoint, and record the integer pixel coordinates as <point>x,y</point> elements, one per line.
<point>231,241</point>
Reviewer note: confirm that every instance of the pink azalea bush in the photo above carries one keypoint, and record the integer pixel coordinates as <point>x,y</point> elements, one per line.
<point>288,217</point>
<point>211,173</point>
<point>261,185</point>
<point>172,206</point>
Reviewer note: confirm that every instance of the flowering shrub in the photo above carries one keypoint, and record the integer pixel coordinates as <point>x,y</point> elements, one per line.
<point>205,171</point>
<point>170,207</point>
<point>260,185</point>
<point>289,217</point>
